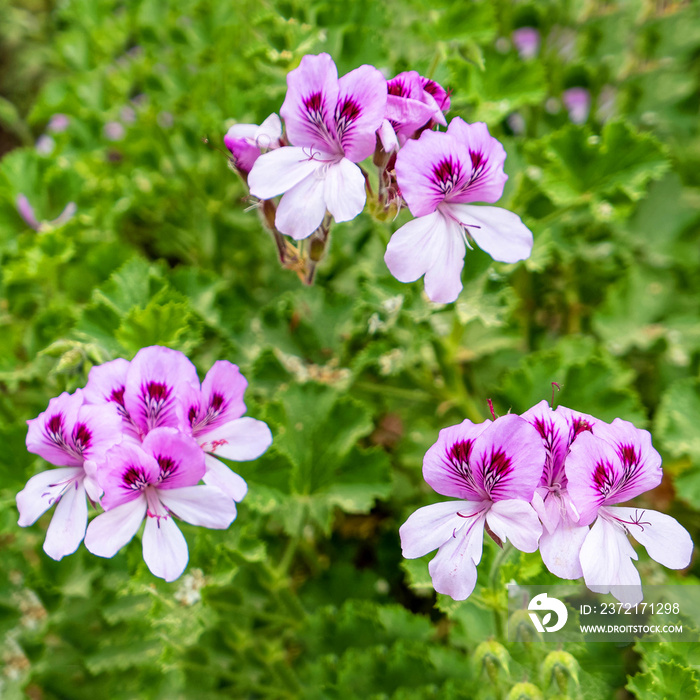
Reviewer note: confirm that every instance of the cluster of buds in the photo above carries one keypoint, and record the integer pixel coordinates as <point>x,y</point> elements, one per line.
<point>137,440</point>
<point>331,125</point>
<point>541,480</point>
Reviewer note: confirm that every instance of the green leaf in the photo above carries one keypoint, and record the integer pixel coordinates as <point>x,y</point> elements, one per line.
<point>666,680</point>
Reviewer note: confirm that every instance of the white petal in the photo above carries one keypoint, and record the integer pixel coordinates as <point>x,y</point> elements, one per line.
<point>269,132</point>
<point>606,560</point>
<point>413,248</point>
<point>453,569</point>
<point>205,506</point>
<point>164,548</point>
<point>279,170</point>
<point>241,439</point>
<point>443,281</point>
<point>111,530</point>
<point>41,492</point>
<point>663,537</point>
<point>497,231</point>
<point>301,210</point>
<point>516,521</point>
<point>68,524</point>
<point>344,190</point>
<point>430,527</point>
<point>224,479</point>
<point>561,548</point>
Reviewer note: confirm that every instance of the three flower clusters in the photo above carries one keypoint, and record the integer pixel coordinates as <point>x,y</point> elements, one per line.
<point>138,439</point>
<point>540,480</point>
<point>332,124</point>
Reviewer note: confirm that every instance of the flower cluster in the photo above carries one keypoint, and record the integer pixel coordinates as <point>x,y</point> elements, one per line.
<point>332,124</point>
<point>541,480</point>
<point>138,439</point>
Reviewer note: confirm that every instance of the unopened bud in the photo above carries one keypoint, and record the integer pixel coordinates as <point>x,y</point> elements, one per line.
<point>559,667</point>
<point>70,360</point>
<point>521,629</point>
<point>525,691</point>
<point>492,657</point>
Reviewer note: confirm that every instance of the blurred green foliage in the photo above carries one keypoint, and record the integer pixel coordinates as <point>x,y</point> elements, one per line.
<point>307,594</point>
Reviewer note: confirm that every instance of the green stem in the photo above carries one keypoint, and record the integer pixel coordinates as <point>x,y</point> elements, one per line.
<point>501,557</point>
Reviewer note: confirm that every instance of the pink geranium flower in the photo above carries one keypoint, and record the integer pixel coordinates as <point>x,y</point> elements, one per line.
<point>331,124</point>
<point>215,418</point>
<point>155,481</point>
<point>611,465</point>
<point>494,468</point>
<point>439,175</point>
<point>73,436</point>
<point>562,536</point>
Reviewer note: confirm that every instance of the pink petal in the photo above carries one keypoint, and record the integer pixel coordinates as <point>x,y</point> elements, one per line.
<point>179,457</point>
<point>561,548</point>
<point>301,210</point>
<point>125,473</point>
<point>445,465</point>
<point>224,479</point>
<point>497,231</point>
<point>153,387</point>
<point>453,569</point>
<point>487,156</point>
<point>26,211</point>
<point>641,463</point>
<point>387,136</point>
<point>50,432</point>
<point>429,168</point>
<point>92,485</point>
<point>309,107</point>
<point>42,491</point>
<point>110,531</point>
<point>507,459</point>
<point>100,428</point>
<point>164,548</point>
<point>67,528</point>
<point>606,560</point>
<point>106,382</point>
<point>269,133</point>
<point>205,506</point>
<point>241,440</point>
<point>554,431</point>
<point>663,537</point>
<point>344,189</point>
<point>547,507</point>
<point>516,521</point>
<point>430,527</point>
<point>359,112</point>
<point>221,398</point>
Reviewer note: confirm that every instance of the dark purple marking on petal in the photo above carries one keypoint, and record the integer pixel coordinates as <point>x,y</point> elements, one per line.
<point>217,405</point>
<point>547,432</point>
<point>345,114</point>
<point>155,396</point>
<point>135,478</point>
<point>315,109</point>
<point>496,470</point>
<point>447,174</point>
<point>578,426</point>
<point>604,478</point>
<point>53,430</point>
<point>456,459</point>
<point>397,87</point>
<point>117,396</point>
<point>168,467</point>
<point>82,437</point>
<point>192,415</point>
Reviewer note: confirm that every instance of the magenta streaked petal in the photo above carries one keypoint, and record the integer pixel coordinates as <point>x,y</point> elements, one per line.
<point>359,111</point>
<point>309,106</point>
<point>153,384</point>
<point>641,463</point>
<point>278,171</point>
<point>42,491</point>
<point>663,537</point>
<point>431,526</point>
<point>561,549</point>
<point>429,169</point>
<point>205,506</point>
<point>243,152</point>
<point>453,569</point>
<point>578,422</point>
<point>301,210</point>
<point>516,521</point>
<point>606,560</point>
<point>344,189</point>
<point>554,431</point>
<point>507,459</point>
<point>407,115</point>
<point>125,473</point>
<point>437,92</point>
<point>241,440</point>
<point>180,459</point>
<point>487,155</point>
<point>110,531</point>
<point>224,479</point>
<point>97,430</point>
<point>446,464</point>
<point>67,528</point>
<point>106,383</point>
<point>49,434</point>
<point>164,548</point>
<point>220,400</point>
<point>499,232</point>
